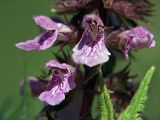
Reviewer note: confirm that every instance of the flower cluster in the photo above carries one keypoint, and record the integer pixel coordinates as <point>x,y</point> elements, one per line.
<point>92,38</point>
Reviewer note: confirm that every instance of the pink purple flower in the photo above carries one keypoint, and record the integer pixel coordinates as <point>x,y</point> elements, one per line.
<point>47,38</point>
<point>61,83</point>
<point>137,38</point>
<point>91,49</point>
<point>134,39</point>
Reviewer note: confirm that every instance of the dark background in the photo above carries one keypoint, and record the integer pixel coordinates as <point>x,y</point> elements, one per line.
<point>16,25</point>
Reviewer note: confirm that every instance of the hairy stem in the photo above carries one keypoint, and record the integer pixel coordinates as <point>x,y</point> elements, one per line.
<point>105,104</point>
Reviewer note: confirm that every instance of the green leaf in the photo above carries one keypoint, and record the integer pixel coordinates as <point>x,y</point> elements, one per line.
<point>103,108</point>
<point>108,103</point>
<point>94,107</point>
<point>139,99</point>
<point>105,104</point>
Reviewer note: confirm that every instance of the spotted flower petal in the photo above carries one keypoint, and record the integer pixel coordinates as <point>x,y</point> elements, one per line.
<point>61,83</point>
<point>48,24</point>
<point>138,38</point>
<point>55,64</point>
<point>91,49</point>
<point>41,42</point>
<point>142,38</point>
<point>28,45</point>
<point>46,39</point>
<point>134,39</point>
<point>53,97</point>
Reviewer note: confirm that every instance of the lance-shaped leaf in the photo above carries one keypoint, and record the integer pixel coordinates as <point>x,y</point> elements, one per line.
<point>106,108</point>
<point>139,99</point>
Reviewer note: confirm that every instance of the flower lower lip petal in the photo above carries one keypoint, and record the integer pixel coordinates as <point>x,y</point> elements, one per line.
<point>91,49</point>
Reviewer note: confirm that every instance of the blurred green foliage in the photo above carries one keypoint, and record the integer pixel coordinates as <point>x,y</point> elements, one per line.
<point>16,25</point>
